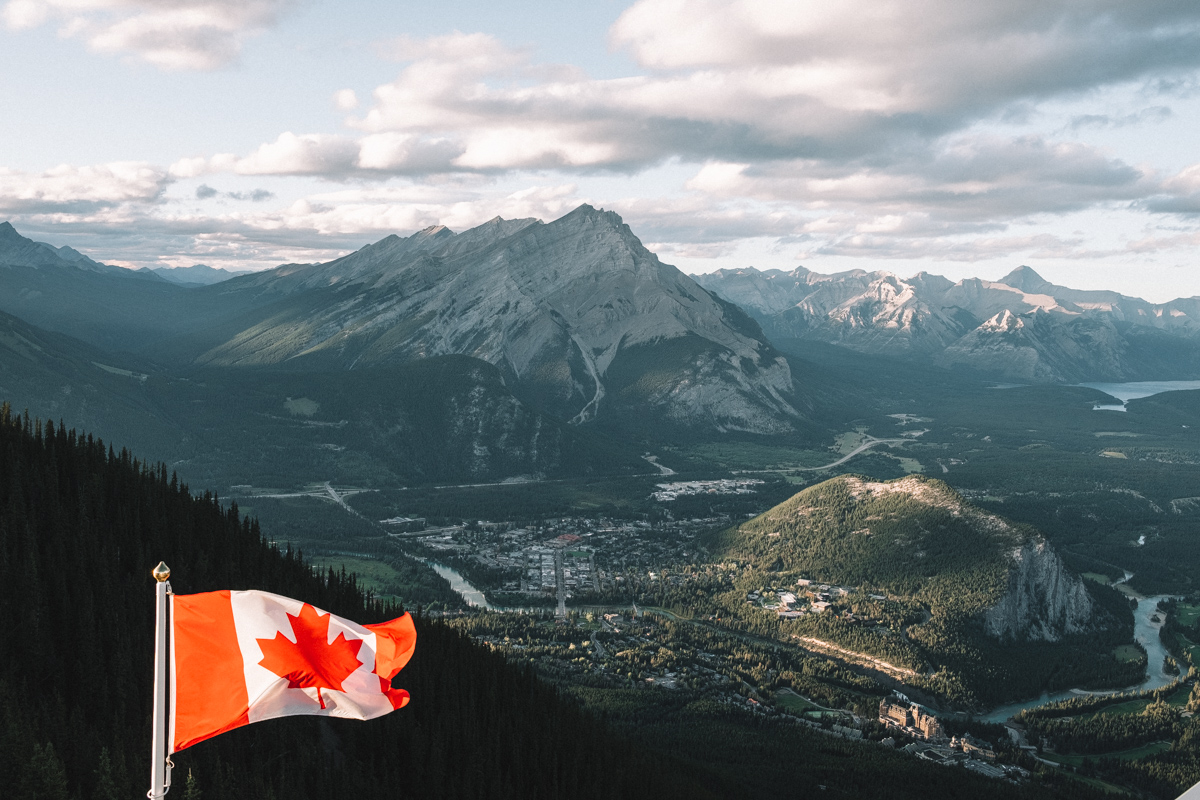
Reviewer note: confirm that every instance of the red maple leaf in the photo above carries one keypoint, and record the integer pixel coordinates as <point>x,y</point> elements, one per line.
<point>312,662</point>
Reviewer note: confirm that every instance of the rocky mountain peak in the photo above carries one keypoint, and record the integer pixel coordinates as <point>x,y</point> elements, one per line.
<point>1003,321</point>
<point>1027,280</point>
<point>19,250</point>
<point>573,312</point>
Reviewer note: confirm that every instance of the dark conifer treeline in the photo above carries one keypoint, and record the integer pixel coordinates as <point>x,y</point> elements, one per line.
<point>80,528</point>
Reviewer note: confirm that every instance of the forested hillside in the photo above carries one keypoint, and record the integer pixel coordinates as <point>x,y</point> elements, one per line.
<point>978,609</point>
<point>80,525</point>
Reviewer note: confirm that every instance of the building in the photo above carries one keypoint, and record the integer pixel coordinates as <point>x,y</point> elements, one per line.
<point>976,748</point>
<point>912,719</point>
<point>929,725</point>
<point>894,715</point>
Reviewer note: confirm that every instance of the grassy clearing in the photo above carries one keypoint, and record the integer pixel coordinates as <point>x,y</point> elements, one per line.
<point>790,701</point>
<point>1116,709</point>
<point>1132,754</point>
<point>846,442</point>
<point>1177,698</point>
<point>1189,647</point>
<point>1127,653</point>
<point>373,575</point>
<point>1188,614</point>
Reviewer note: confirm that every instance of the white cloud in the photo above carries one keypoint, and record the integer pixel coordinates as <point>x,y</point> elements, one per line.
<point>863,128</point>
<point>71,189</point>
<point>759,80</point>
<point>331,156</point>
<point>179,35</point>
<point>310,154</point>
<point>973,177</point>
<point>345,99</point>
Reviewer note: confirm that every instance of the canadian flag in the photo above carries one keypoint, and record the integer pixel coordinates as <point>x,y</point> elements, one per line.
<point>242,657</point>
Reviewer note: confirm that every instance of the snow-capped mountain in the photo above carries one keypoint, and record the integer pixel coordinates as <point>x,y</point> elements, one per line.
<point>577,314</point>
<point>1021,327</point>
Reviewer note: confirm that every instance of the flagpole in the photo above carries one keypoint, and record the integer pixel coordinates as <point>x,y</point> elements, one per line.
<point>160,773</point>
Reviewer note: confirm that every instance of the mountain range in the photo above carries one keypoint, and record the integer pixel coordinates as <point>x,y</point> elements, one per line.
<point>1021,327</point>
<point>544,325</point>
<point>581,320</point>
<point>195,275</point>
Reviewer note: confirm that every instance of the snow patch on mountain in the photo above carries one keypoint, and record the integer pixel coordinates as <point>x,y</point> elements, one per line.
<point>1021,327</point>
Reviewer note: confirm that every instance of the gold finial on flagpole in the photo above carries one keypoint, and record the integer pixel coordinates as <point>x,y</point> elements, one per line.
<point>161,572</point>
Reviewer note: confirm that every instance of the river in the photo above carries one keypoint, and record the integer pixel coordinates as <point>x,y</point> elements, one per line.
<point>1136,390</point>
<point>1145,633</point>
<point>458,583</point>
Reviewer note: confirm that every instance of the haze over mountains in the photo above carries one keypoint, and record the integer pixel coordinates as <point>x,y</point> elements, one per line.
<point>574,321</point>
<point>580,319</point>
<point>1021,327</point>
<point>196,275</point>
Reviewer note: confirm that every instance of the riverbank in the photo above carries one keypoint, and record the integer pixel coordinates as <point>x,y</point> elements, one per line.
<point>1145,633</point>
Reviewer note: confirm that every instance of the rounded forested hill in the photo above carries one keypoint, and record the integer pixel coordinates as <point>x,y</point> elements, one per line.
<point>913,537</point>
<point>966,605</point>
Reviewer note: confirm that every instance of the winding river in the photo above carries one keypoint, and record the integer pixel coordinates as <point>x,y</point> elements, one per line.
<point>458,583</point>
<point>1145,633</point>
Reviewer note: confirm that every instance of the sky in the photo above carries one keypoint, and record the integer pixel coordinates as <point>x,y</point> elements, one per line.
<point>963,139</point>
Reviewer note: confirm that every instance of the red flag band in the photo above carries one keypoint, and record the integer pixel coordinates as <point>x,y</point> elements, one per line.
<point>242,657</point>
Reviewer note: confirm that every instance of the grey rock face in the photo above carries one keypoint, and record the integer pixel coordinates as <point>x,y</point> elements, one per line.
<point>1019,328</point>
<point>554,306</point>
<point>18,251</point>
<point>1044,601</point>
<point>1037,348</point>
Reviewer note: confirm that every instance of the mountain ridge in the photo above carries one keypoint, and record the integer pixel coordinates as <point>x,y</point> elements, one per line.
<point>554,305</point>
<point>583,322</point>
<point>1021,327</point>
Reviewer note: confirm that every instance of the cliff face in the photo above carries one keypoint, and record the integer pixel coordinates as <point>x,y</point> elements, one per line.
<point>580,318</point>
<point>1043,602</point>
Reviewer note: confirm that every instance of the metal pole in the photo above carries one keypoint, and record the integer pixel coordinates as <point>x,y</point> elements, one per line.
<point>160,776</point>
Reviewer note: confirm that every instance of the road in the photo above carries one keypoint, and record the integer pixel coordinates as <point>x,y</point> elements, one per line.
<point>816,646</point>
<point>562,584</point>
<point>867,444</point>
<point>664,471</point>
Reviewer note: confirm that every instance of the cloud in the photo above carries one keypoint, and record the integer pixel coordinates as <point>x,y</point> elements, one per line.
<point>971,177</point>
<point>206,192</point>
<point>757,81</point>
<point>332,156</point>
<point>144,229</point>
<point>1152,114</point>
<point>1180,194</point>
<point>864,128</point>
<point>179,35</point>
<point>345,99</point>
<point>69,189</point>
